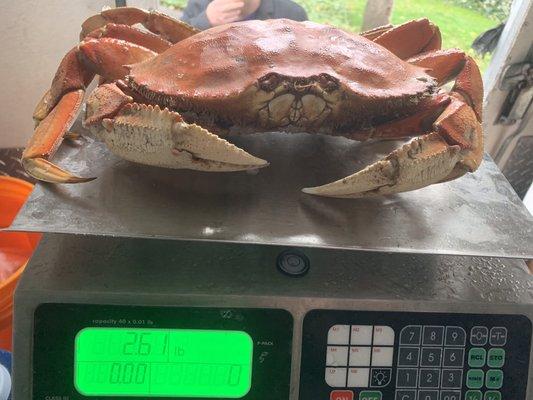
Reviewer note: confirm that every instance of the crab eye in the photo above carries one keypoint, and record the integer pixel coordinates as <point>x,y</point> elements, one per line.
<point>327,82</point>
<point>269,82</point>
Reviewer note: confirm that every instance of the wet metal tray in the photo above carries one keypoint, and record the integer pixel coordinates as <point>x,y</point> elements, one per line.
<point>479,214</point>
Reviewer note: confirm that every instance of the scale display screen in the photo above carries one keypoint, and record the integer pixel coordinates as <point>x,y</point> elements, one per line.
<point>163,362</point>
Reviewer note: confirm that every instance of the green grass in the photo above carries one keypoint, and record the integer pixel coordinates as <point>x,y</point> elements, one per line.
<point>459,26</point>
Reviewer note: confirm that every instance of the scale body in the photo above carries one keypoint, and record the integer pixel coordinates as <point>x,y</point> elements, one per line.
<point>174,260</point>
<point>357,325</point>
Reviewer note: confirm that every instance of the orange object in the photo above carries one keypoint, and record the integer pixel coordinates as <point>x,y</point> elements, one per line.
<point>15,250</point>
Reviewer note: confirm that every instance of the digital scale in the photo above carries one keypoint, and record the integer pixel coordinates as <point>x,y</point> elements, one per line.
<point>157,284</point>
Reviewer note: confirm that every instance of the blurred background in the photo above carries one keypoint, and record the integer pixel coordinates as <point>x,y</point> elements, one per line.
<point>460,21</point>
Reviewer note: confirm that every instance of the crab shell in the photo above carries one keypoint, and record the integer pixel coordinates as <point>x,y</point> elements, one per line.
<point>169,104</point>
<point>283,74</point>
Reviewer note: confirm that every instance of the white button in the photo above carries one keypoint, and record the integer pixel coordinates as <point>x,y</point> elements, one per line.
<point>359,356</point>
<point>382,356</point>
<point>339,334</point>
<point>361,335</point>
<point>337,356</point>
<point>383,336</point>
<point>336,377</point>
<point>358,377</point>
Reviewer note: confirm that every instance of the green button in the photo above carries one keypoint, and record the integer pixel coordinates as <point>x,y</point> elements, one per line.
<point>494,379</point>
<point>474,379</point>
<point>370,395</point>
<point>476,357</point>
<point>496,358</point>
<point>493,395</point>
<point>474,395</point>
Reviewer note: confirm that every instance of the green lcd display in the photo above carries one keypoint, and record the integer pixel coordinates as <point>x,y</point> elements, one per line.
<point>163,363</point>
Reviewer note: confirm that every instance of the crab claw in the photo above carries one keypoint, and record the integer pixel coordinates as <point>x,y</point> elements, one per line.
<point>454,148</point>
<point>425,160</point>
<point>46,171</point>
<point>149,135</point>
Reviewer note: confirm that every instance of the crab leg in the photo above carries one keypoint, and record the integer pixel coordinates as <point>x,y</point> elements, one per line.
<point>48,137</point>
<point>452,148</point>
<point>133,35</point>
<point>372,34</point>
<point>160,24</point>
<point>412,38</point>
<point>59,107</point>
<point>443,65</point>
<point>412,125</point>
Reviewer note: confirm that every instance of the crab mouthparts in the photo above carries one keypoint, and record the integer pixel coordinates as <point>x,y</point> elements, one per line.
<point>300,110</point>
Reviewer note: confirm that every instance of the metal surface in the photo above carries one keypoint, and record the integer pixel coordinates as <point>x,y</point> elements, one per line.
<point>478,214</point>
<point>98,270</point>
<point>519,166</point>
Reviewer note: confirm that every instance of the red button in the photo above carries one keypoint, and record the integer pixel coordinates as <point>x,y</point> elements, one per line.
<point>341,395</point>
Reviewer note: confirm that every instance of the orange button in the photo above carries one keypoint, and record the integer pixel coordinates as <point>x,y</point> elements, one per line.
<point>341,395</point>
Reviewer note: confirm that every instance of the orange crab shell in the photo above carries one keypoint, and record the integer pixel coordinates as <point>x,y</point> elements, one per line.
<point>234,69</point>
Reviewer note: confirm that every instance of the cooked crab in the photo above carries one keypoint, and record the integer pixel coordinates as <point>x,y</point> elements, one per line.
<point>168,94</point>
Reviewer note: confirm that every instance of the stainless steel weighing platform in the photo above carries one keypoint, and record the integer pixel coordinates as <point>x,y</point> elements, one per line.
<point>479,214</point>
<point>409,297</point>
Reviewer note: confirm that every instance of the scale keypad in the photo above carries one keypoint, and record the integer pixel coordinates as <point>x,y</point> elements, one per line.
<point>435,357</point>
<point>359,356</point>
<point>416,356</point>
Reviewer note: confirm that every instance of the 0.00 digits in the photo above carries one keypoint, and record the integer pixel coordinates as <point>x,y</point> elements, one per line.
<point>128,373</point>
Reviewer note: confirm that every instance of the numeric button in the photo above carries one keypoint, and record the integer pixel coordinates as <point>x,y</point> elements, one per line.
<point>431,357</point>
<point>433,336</point>
<point>428,395</point>
<point>429,378</point>
<point>406,378</point>
<point>479,336</point>
<point>453,357</point>
<point>450,395</point>
<point>452,378</point>
<point>455,336</point>
<point>411,335</point>
<point>408,356</point>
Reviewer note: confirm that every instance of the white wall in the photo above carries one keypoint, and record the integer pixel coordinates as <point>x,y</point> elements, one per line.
<point>35,34</point>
